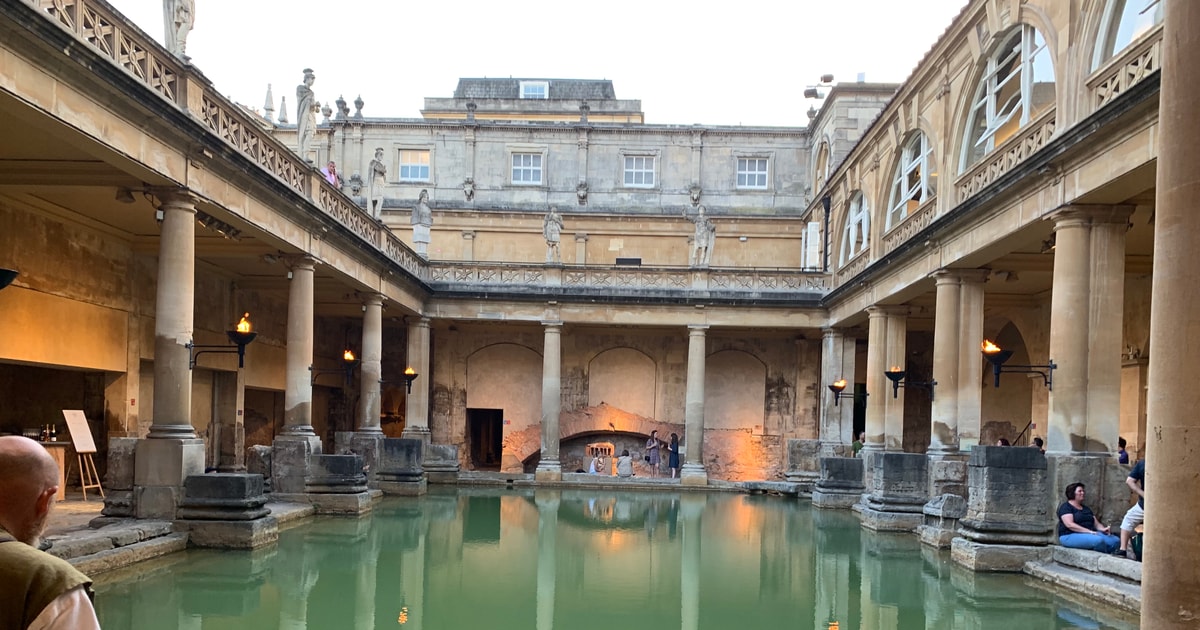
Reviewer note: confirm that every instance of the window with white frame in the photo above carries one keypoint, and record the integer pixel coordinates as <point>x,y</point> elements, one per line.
<point>913,181</point>
<point>414,165</point>
<point>535,89</point>
<point>857,233</point>
<point>752,173</point>
<point>527,168</point>
<point>1016,87</point>
<point>1124,22</point>
<point>639,171</point>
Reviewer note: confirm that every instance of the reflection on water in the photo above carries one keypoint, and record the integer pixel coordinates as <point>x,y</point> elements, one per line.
<point>581,560</point>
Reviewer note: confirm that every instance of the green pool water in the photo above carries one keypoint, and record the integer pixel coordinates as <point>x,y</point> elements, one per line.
<point>500,559</point>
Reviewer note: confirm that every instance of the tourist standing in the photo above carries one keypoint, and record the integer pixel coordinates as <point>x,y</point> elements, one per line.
<point>1136,514</point>
<point>673,456</point>
<point>653,457</point>
<point>39,590</point>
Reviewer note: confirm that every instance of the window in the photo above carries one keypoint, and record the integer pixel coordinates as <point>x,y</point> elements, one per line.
<point>913,181</point>
<point>1125,21</point>
<point>414,165</point>
<point>1016,87</point>
<point>527,168</point>
<point>752,173</point>
<point>639,171</point>
<point>535,89</point>
<point>857,232</point>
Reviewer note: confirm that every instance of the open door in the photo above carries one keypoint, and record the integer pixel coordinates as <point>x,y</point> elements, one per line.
<point>485,432</point>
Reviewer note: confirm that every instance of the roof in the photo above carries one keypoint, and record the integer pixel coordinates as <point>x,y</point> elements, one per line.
<point>567,89</point>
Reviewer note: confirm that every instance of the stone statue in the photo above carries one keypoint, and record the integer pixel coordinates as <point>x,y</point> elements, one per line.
<point>178,18</point>
<point>581,193</point>
<point>552,226</point>
<point>694,193</point>
<point>468,187</point>
<point>702,238</point>
<point>376,179</point>
<point>422,220</point>
<point>306,113</point>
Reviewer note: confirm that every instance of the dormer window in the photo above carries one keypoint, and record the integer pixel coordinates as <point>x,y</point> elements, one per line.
<point>535,89</point>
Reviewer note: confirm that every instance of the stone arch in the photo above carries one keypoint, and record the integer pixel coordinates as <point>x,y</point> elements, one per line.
<point>601,420</point>
<point>507,376</point>
<point>839,235</point>
<point>1005,411</point>
<point>735,390</point>
<point>623,377</point>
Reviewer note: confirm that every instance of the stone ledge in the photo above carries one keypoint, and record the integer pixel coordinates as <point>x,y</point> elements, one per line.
<point>1097,586</point>
<point>114,535</point>
<point>1096,562</point>
<point>130,554</point>
<point>979,556</point>
<point>772,487</point>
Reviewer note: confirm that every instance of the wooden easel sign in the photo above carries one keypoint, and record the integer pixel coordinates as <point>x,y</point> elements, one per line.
<point>81,437</point>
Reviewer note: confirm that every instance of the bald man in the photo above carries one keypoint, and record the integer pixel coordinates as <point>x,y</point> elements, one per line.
<point>37,590</point>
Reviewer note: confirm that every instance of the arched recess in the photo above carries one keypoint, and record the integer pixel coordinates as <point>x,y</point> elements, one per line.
<point>624,378</point>
<point>1114,25</point>
<point>735,390</point>
<point>506,376</point>
<point>854,234</point>
<point>912,179</point>
<point>821,163</point>
<point>1014,83</point>
<point>1007,410</point>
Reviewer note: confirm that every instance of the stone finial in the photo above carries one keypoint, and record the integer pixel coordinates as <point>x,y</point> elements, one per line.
<point>471,111</point>
<point>358,105</point>
<point>283,119</point>
<point>584,108</point>
<point>269,106</point>
<point>326,111</point>
<point>343,110</point>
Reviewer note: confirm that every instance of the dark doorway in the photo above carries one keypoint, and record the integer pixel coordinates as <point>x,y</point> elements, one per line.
<point>485,432</point>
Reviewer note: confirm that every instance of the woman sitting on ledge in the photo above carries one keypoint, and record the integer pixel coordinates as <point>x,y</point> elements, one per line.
<point>625,466</point>
<point>1078,527</point>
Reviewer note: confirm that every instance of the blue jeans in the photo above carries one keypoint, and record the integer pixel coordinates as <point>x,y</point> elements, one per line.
<point>1096,542</point>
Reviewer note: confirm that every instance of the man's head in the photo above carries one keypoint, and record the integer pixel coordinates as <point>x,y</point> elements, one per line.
<point>28,483</point>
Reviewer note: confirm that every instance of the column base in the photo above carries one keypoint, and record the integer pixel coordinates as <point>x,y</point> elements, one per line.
<point>693,475</point>
<point>548,470</point>
<point>160,467</point>
<point>289,462</point>
<point>417,433</point>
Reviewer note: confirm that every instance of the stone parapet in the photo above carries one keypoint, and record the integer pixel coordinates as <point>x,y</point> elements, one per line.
<point>840,484</point>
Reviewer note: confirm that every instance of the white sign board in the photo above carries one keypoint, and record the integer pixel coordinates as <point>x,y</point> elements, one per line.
<point>81,433</point>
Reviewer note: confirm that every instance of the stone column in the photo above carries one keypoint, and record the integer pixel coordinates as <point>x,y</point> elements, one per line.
<point>292,448</point>
<point>549,468</point>
<point>370,369</point>
<point>878,387</point>
<point>1105,332</point>
<point>836,420</point>
<point>897,356</point>
<point>297,397</point>
<point>970,357</point>
<point>1068,333</point>
<point>1169,577</point>
<point>172,451</point>
<point>693,473</point>
<point>581,248</point>
<point>416,409</point>
<point>946,347</point>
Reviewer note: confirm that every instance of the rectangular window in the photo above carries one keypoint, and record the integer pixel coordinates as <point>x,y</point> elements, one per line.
<point>535,89</point>
<point>414,166</point>
<point>752,173</point>
<point>526,168</point>
<point>639,171</point>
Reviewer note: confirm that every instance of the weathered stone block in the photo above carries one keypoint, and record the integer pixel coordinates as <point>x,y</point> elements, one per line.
<point>119,504</point>
<point>804,456</point>
<point>335,474</point>
<point>941,516</point>
<point>121,454</point>
<point>441,463</point>
<point>289,462</point>
<point>841,472</point>
<point>900,482</point>
<point>239,534</point>
<point>992,557</point>
<point>947,475</point>
<point>1007,502</point>
<point>258,461</point>
<point>367,445</point>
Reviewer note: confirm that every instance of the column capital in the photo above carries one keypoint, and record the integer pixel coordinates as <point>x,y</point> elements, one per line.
<point>581,237</point>
<point>371,299</point>
<point>418,322</point>
<point>551,324</point>
<point>174,196</point>
<point>946,276</point>
<point>468,235</point>
<point>829,333</point>
<point>887,310</point>
<point>1076,215</point>
<point>299,261</point>
<point>697,330</point>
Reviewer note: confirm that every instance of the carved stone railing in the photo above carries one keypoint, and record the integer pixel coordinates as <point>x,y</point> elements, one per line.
<point>97,24</point>
<point>642,280</point>
<point>1008,155</point>
<point>1126,70</point>
<point>852,268</point>
<point>911,224</point>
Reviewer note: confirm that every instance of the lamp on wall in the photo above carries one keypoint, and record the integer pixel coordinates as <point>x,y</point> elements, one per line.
<point>838,387</point>
<point>998,357</point>
<point>7,276</point>
<point>348,363</point>
<point>896,376</point>
<point>240,337</point>
<point>410,375</point>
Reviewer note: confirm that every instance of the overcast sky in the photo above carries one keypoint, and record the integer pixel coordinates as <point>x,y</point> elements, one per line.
<point>713,63</point>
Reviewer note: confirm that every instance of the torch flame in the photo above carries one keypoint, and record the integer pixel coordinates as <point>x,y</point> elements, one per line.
<point>244,325</point>
<point>840,383</point>
<point>989,347</point>
<point>895,368</point>
<point>409,371</point>
<point>348,355</point>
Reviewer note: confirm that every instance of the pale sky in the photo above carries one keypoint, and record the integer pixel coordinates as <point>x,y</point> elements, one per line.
<point>709,63</point>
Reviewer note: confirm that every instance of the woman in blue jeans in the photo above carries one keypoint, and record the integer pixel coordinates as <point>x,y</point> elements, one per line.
<point>1079,528</point>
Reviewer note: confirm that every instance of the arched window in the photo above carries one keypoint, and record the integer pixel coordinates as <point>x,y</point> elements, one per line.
<point>1017,85</point>
<point>858,228</point>
<point>822,171</point>
<point>1125,21</point>
<point>914,180</point>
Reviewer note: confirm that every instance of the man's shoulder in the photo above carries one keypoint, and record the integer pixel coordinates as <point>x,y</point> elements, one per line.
<point>1139,469</point>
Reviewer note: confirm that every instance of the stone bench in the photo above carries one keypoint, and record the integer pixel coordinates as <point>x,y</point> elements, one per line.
<point>1113,580</point>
